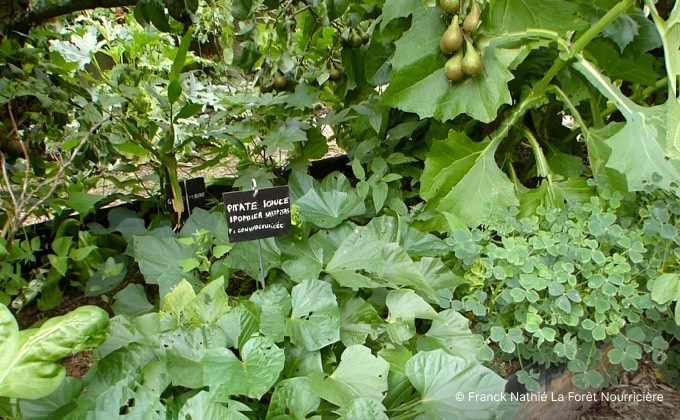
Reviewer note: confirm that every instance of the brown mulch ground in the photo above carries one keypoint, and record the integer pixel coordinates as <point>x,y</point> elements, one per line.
<point>642,381</point>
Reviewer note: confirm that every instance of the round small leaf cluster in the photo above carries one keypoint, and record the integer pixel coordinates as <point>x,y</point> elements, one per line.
<point>564,285</point>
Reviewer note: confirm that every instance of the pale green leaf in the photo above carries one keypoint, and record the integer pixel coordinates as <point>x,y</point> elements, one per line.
<point>29,360</point>
<point>407,305</point>
<point>257,371</point>
<point>426,276</point>
<point>292,397</point>
<point>358,320</point>
<point>177,300</point>
<point>315,319</point>
<point>358,375</point>
<point>666,288</point>
<point>240,323</point>
<point>363,408</point>
<point>439,377</point>
<point>639,149</point>
<point>275,306</point>
<point>451,333</point>
<point>204,405</point>
<point>209,305</point>
<point>555,194</point>
<point>360,250</point>
<point>415,242</point>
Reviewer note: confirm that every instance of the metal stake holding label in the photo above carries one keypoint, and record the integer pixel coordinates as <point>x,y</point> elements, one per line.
<point>259,241</point>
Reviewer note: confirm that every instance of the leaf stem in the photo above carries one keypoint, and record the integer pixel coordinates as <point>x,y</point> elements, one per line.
<point>581,44</point>
<point>407,405</point>
<point>538,92</point>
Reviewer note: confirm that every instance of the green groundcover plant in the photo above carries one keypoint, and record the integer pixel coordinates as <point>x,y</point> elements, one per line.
<point>371,319</point>
<point>514,198</point>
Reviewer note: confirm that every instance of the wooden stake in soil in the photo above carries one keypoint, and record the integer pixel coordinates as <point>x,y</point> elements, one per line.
<point>259,241</point>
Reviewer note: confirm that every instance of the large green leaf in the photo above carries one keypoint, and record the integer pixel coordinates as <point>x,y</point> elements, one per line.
<point>210,304</point>
<point>55,405</point>
<point>111,384</point>
<point>301,362</point>
<point>623,30</point>
<point>215,223</point>
<point>639,71</point>
<point>29,360</point>
<point>204,405</point>
<point>315,319</point>
<point>283,137</point>
<point>441,378</point>
<point>406,304</point>
<point>245,256</point>
<point>358,320</point>
<point>363,408</point>
<point>257,371</point>
<point>275,306</point>
<point>303,259</point>
<point>670,37</point>
<point>452,334</point>
<point>520,15</point>
<point>158,260</point>
<point>461,177</point>
<point>640,150</point>
<point>241,323</point>
<point>358,375</point>
<point>328,209</point>
<point>669,32</point>
<point>132,300</point>
<point>393,9</point>
<point>419,84</point>
<point>361,250</point>
<point>415,242</point>
<point>426,276</point>
<point>292,398</point>
<point>555,194</point>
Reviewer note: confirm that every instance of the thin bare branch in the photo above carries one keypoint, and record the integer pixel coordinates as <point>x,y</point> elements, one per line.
<point>27,164</point>
<point>57,178</point>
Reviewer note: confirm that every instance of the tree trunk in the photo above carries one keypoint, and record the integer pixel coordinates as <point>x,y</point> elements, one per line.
<point>16,18</point>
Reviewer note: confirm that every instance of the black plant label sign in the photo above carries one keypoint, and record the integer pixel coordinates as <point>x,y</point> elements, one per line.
<point>257,214</point>
<point>193,194</point>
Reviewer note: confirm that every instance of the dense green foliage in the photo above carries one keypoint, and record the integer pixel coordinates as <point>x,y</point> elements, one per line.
<point>536,197</point>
